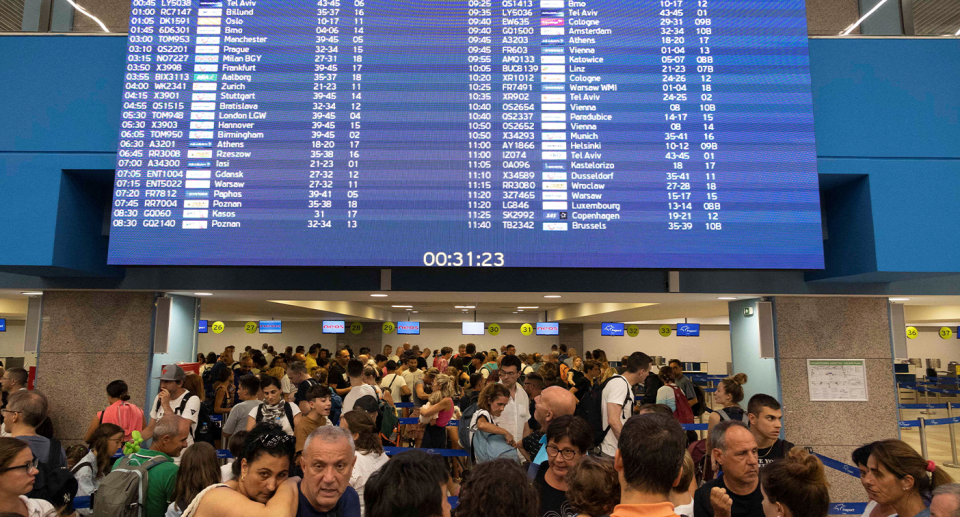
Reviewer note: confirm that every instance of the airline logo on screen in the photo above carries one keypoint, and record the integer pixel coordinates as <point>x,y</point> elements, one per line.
<point>202,328</point>
<point>548,329</point>
<point>269,327</point>
<point>612,329</point>
<point>688,329</point>
<point>408,327</point>
<point>334,327</point>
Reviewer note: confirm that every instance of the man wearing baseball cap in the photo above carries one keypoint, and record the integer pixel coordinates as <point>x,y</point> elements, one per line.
<point>173,399</point>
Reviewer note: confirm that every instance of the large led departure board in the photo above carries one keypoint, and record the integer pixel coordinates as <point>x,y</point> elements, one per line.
<point>467,133</point>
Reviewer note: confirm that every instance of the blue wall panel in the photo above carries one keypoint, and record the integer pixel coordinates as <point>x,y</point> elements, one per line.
<point>885,109</point>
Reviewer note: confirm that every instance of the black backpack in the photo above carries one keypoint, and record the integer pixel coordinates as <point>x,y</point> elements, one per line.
<point>590,406</point>
<point>206,431</point>
<point>55,484</point>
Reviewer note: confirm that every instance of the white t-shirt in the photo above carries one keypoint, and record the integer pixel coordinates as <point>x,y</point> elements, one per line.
<point>398,383</point>
<point>473,421</point>
<point>38,507</point>
<point>286,424</point>
<point>515,414</point>
<point>226,472</point>
<point>191,412</point>
<point>355,393</point>
<point>394,357</point>
<point>411,378</point>
<point>286,387</point>
<point>870,506</point>
<point>616,392</point>
<point>365,466</point>
<point>684,509</point>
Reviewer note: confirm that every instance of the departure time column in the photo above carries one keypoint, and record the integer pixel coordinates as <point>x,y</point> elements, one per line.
<point>479,113</point>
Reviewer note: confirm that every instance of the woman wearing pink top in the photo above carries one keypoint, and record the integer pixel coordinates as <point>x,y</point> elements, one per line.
<point>439,413</point>
<point>119,412</point>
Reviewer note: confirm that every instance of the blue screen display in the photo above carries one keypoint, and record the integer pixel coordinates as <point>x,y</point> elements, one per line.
<point>3,325</point>
<point>408,327</point>
<point>611,329</point>
<point>548,329</point>
<point>490,133</point>
<point>688,329</point>
<point>202,327</point>
<point>270,327</point>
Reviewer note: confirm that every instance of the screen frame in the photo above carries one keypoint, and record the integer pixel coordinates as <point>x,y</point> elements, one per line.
<point>260,326</point>
<point>417,333</point>
<point>463,328</point>
<point>557,323</point>
<point>623,329</point>
<point>324,322</point>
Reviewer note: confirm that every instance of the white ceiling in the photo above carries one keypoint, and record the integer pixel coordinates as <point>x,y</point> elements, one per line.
<point>442,306</point>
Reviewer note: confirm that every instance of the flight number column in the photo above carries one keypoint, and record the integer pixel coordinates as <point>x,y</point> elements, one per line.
<point>323,123</point>
<point>480,45</point>
<point>675,95</point>
<point>518,111</point>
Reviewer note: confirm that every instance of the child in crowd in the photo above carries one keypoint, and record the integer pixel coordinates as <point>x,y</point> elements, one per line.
<point>593,487</point>
<point>320,404</point>
<point>235,447</point>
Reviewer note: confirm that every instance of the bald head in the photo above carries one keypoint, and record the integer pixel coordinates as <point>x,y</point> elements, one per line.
<point>553,403</point>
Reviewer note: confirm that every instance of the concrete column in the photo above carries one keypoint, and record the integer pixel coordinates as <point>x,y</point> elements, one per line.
<point>836,328</point>
<point>87,340</point>
<point>745,351</point>
<point>571,334</point>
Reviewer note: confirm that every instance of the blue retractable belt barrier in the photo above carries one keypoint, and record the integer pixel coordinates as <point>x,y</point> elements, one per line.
<point>709,390</point>
<point>404,404</point>
<point>224,454</point>
<point>909,423</point>
<point>81,502</point>
<point>839,465</point>
<point>848,508</point>
<point>446,453</point>
<point>942,421</point>
<point>695,427</point>
<point>216,418</point>
<point>922,406</point>
<point>415,421</point>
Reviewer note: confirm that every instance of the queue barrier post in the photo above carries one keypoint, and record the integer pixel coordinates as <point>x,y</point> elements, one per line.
<point>953,439</point>
<point>926,400</point>
<point>923,439</point>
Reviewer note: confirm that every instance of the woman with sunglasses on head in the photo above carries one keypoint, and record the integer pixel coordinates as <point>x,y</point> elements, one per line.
<point>18,472</point>
<point>261,484</point>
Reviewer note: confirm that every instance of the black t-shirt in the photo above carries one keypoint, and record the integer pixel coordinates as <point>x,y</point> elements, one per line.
<point>553,502</point>
<point>650,387</point>
<point>534,425</point>
<point>421,363</point>
<point>583,386</point>
<point>302,389</point>
<point>775,452</point>
<point>750,505</point>
<point>337,376</point>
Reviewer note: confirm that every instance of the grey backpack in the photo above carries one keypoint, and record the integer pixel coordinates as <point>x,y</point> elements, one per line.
<point>123,492</point>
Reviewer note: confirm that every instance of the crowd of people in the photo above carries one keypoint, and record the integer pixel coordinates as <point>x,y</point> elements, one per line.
<point>552,435</point>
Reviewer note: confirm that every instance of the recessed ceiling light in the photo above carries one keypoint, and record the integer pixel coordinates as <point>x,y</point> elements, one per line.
<point>519,310</point>
<point>891,299</point>
<point>534,307</point>
<point>203,294</point>
<point>409,309</point>
<point>552,296</point>
<point>514,312</point>
<point>32,293</point>
<point>378,295</point>
<point>415,312</point>
<point>402,306</point>
<point>464,306</point>
<point>727,298</point>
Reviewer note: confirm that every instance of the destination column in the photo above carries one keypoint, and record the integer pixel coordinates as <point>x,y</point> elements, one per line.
<point>592,109</point>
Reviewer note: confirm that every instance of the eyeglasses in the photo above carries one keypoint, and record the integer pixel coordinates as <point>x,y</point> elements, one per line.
<point>5,410</point>
<point>568,454</point>
<point>28,466</point>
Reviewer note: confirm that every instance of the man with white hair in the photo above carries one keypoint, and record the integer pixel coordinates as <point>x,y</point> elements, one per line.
<point>946,501</point>
<point>327,462</point>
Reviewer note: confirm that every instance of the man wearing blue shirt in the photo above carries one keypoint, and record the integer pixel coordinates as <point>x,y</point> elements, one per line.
<point>553,403</point>
<point>327,462</point>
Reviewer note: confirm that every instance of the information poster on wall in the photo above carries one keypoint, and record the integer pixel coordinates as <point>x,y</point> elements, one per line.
<point>837,379</point>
